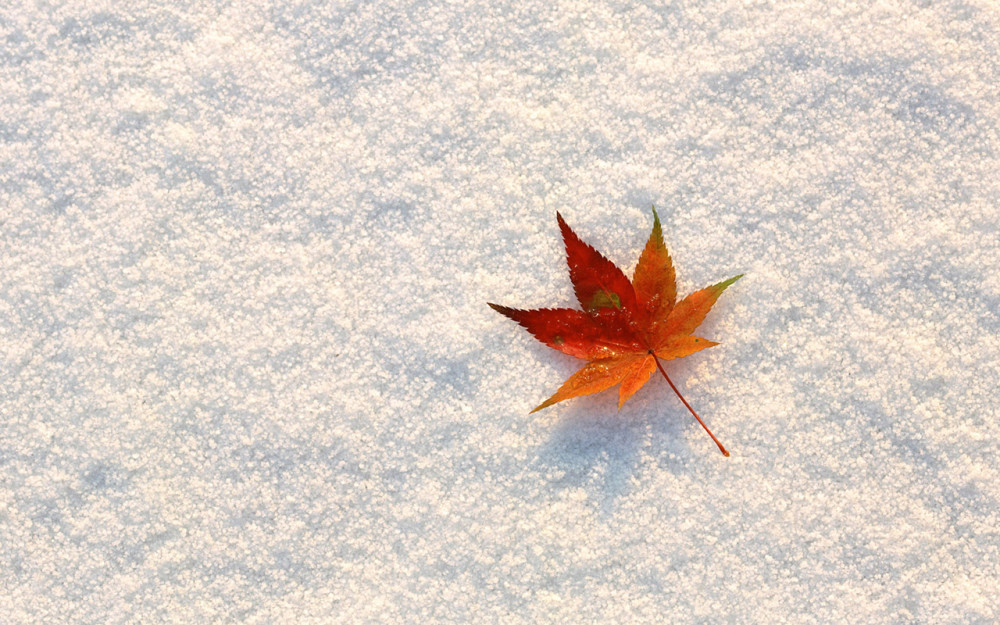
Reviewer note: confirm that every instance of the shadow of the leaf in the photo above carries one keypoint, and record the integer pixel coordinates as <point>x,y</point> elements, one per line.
<point>602,451</point>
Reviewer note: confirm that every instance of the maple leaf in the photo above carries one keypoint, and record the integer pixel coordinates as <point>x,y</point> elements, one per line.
<point>626,326</point>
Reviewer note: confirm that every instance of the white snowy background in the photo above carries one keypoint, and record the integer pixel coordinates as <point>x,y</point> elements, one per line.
<point>249,375</point>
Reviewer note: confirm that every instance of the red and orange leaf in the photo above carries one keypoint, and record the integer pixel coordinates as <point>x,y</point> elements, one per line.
<point>626,327</point>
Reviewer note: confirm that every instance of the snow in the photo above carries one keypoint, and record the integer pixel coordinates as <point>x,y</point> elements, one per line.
<point>248,373</point>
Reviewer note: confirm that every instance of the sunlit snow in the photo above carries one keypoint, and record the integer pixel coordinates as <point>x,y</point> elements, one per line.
<point>248,373</point>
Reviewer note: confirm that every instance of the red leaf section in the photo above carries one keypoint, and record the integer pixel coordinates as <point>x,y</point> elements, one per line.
<point>589,336</point>
<point>598,282</point>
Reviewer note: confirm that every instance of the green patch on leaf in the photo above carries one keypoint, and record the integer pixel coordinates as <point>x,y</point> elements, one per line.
<point>605,299</point>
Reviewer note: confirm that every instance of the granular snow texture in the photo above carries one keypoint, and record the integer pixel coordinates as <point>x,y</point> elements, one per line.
<point>249,375</point>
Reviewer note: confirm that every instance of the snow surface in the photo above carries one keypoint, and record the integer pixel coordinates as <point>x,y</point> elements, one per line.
<point>248,371</point>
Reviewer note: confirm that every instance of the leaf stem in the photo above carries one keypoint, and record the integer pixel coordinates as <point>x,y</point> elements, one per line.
<point>670,382</point>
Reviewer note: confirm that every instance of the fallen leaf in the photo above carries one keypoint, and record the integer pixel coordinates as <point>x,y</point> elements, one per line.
<point>626,326</point>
